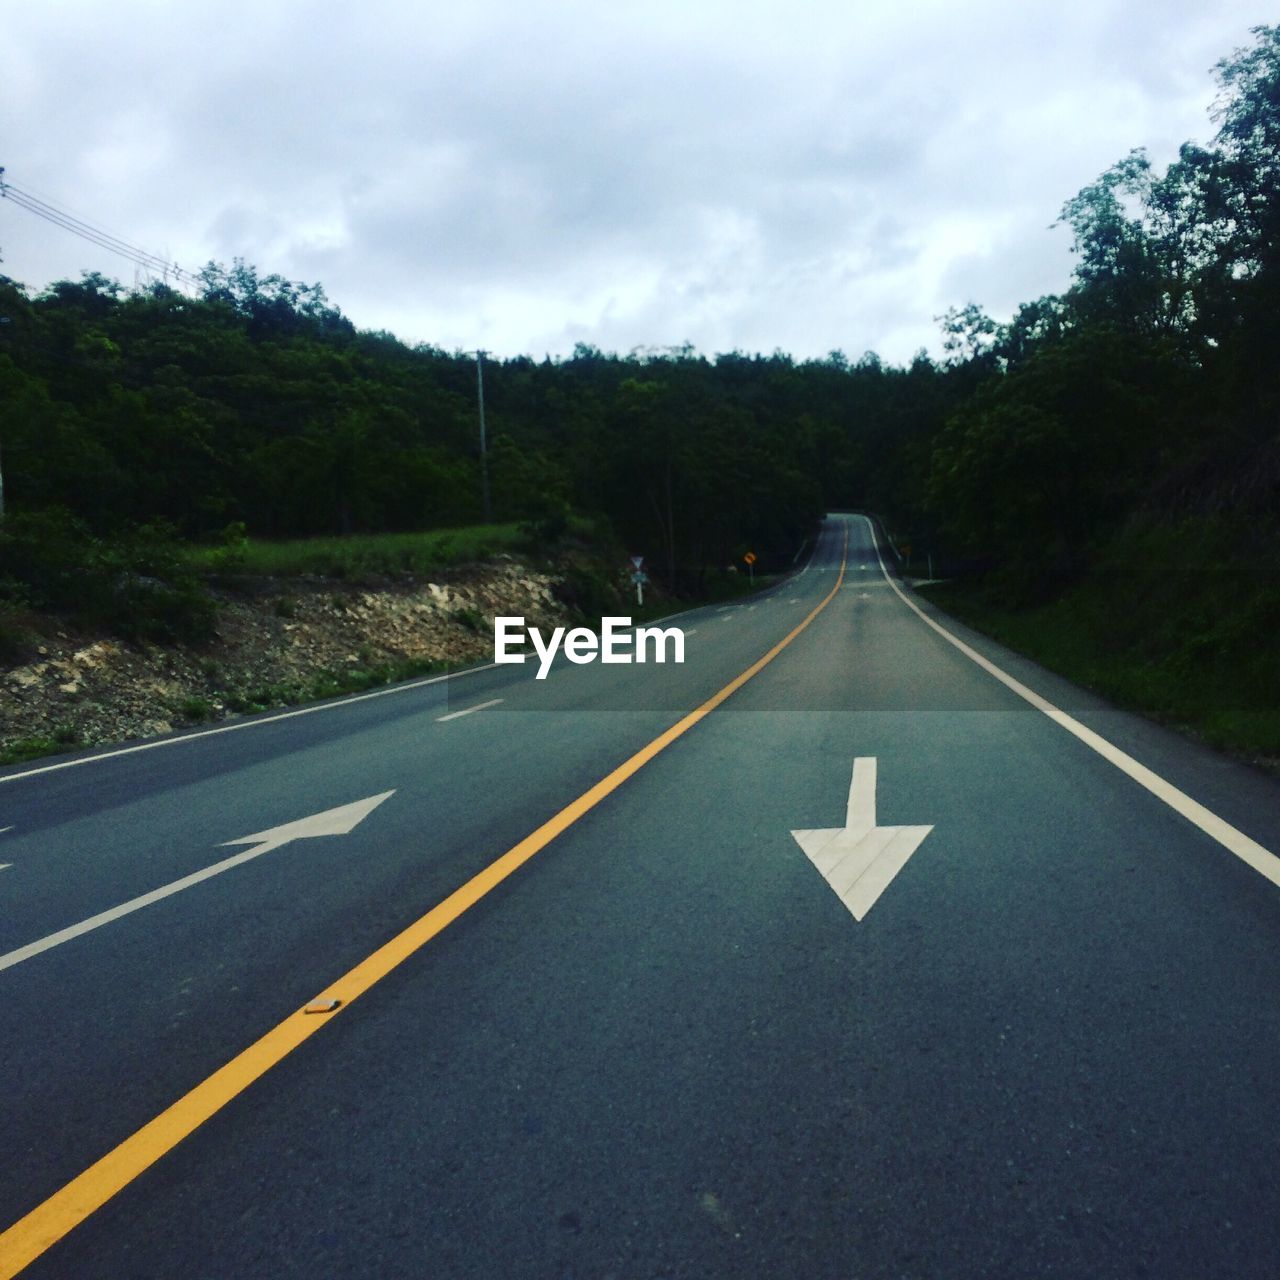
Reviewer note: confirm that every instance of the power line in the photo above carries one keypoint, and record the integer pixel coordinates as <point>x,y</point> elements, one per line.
<point>62,206</point>
<point>150,262</point>
<point>95,235</point>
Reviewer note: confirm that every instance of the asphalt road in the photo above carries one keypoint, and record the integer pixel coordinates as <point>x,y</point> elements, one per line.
<point>663,1045</point>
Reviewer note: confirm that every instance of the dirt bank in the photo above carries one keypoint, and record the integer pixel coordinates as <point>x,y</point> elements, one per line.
<point>277,642</point>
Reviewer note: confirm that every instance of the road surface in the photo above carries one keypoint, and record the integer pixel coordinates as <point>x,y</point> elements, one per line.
<point>599,1012</point>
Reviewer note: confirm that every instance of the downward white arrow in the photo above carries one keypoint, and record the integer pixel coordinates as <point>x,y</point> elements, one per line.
<point>859,860</point>
<point>332,822</point>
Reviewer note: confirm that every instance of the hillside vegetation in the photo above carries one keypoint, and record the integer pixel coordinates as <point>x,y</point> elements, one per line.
<point>1101,474</point>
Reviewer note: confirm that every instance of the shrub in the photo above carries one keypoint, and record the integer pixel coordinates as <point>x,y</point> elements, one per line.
<point>470,620</point>
<point>233,554</point>
<point>17,641</point>
<point>138,585</point>
<point>588,591</point>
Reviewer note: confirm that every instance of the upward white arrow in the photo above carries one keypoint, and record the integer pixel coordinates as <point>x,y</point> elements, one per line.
<point>859,860</point>
<point>332,822</point>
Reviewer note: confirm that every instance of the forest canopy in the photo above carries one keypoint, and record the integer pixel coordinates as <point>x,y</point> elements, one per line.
<point>1148,389</point>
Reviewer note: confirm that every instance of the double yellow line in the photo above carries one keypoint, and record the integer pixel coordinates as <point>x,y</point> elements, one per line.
<point>46,1224</point>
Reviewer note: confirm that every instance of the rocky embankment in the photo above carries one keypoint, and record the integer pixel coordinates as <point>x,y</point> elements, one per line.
<point>276,639</point>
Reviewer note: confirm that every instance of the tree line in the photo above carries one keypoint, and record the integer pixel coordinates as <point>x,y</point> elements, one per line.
<point>1148,389</point>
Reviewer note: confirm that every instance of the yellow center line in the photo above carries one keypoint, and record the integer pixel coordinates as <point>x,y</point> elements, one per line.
<point>48,1222</point>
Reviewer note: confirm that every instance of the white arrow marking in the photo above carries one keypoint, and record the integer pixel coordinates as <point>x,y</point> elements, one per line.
<point>859,860</point>
<point>332,822</point>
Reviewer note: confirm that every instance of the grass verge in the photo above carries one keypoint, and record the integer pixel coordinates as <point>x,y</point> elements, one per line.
<point>331,684</point>
<point>64,739</point>
<point>358,555</point>
<point>1169,623</point>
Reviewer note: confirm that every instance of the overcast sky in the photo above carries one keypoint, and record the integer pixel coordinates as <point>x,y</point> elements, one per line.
<point>524,176</point>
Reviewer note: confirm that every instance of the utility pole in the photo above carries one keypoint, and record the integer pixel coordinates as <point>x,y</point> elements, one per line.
<point>3,320</point>
<point>484,447</point>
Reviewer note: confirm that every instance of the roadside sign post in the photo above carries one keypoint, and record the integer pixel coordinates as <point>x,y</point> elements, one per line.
<point>750,558</point>
<point>639,577</point>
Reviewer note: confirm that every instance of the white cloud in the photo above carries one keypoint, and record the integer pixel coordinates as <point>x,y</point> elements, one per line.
<point>748,175</point>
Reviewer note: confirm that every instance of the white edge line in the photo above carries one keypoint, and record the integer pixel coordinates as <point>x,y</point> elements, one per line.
<point>480,706</point>
<point>1262,860</point>
<point>246,724</point>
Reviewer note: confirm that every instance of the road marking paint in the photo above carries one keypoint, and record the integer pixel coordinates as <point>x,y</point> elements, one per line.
<point>724,608</point>
<point>4,829</point>
<point>4,866</point>
<point>692,631</point>
<point>480,706</point>
<point>52,940</point>
<point>1261,859</point>
<point>49,1221</point>
<point>331,822</point>
<point>860,860</point>
<point>247,724</point>
<point>728,617</point>
<point>794,600</point>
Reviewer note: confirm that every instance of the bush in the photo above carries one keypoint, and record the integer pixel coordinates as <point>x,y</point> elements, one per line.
<point>547,529</point>
<point>588,591</point>
<point>64,738</point>
<point>470,620</point>
<point>17,641</point>
<point>138,585</point>
<point>46,555</point>
<point>233,554</point>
